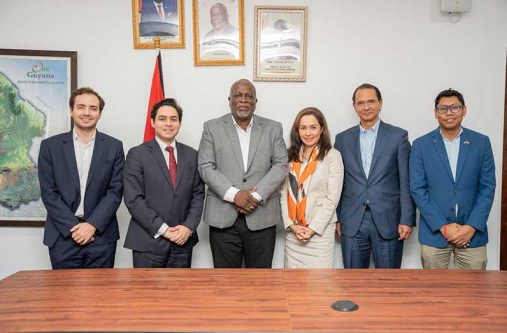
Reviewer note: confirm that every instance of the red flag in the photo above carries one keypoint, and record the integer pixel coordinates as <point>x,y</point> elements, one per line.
<point>156,94</point>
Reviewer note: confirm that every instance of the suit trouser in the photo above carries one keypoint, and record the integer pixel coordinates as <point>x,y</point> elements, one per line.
<point>356,250</point>
<point>68,254</point>
<point>230,245</point>
<point>464,258</point>
<point>174,257</point>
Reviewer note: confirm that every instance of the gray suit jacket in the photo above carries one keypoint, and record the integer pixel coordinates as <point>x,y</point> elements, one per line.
<point>386,188</point>
<point>152,199</point>
<point>221,166</point>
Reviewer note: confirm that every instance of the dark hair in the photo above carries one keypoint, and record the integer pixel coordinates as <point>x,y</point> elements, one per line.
<point>167,102</point>
<point>295,141</point>
<point>86,90</point>
<point>449,93</point>
<point>367,86</point>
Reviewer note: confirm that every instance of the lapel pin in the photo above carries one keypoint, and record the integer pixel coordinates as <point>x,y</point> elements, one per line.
<point>466,142</point>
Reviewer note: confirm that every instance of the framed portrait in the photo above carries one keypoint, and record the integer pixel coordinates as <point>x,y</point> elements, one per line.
<point>158,18</point>
<point>218,32</point>
<point>280,43</point>
<point>35,88</point>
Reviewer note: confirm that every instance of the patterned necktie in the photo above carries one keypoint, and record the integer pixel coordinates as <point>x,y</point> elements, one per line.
<point>173,167</point>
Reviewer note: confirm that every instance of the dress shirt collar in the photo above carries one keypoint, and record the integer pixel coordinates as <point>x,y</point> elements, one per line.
<point>249,127</point>
<point>373,129</point>
<point>163,145</point>
<point>450,140</point>
<point>77,138</point>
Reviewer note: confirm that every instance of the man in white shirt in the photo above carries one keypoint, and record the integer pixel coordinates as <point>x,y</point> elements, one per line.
<point>243,160</point>
<point>81,188</point>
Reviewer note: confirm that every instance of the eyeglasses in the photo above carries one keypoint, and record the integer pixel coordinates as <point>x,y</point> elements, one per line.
<point>362,104</point>
<point>455,108</point>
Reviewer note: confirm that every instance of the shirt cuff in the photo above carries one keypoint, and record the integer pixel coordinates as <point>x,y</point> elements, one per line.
<point>161,230</point>
<point>230,194</point>
<point>257,196</point>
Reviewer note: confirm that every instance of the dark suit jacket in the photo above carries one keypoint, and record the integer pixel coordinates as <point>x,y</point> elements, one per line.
<point>149,11</point>
<point>386,188</point>
<point>436,193</point>
<point>152,200</point>
<point>60,189</point>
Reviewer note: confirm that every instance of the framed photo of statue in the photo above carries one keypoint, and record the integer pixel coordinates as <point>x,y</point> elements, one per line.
<point>280,43</point>
<point>158,18</point>
<point>218,32</point>
<point>35,88</point>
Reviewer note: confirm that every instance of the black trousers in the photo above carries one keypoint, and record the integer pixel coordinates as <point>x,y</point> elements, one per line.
<point>229,246</point>
<point>176,257</point>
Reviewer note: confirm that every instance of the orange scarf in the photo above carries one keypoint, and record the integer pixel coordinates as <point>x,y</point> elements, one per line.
<point>296,194</point>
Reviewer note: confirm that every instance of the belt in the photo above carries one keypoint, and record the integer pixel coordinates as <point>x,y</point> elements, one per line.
<point>81,219</point>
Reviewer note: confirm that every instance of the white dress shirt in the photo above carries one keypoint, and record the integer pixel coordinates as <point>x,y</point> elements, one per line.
<point>244,142</point>
<point>165,153</point>
<point>84,153</point>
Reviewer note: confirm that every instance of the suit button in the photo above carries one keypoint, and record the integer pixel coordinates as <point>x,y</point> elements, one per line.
<point>244,180</point>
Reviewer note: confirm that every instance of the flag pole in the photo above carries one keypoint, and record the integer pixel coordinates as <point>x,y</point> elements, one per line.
<point>156,91</point>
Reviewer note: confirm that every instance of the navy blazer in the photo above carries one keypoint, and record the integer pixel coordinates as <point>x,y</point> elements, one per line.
<point>387,187</point>
<point>436,193</point>
<point>60,188</point>
<point>152,199</point>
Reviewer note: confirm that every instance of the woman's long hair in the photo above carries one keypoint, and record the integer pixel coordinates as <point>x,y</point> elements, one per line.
<point>324,143</point>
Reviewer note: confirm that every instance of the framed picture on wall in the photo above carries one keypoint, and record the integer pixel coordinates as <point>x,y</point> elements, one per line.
<point>218,32</point>
<point>158,18</point>
<point>35,88</point>
<point>280,43</point>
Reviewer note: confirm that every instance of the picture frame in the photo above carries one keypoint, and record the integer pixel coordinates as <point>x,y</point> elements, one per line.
<point>280,43</point>
<point>219,32</point>
<point>35,87</point>
<point>166,21</point>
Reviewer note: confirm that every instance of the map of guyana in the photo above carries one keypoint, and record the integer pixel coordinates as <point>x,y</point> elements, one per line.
<point>20,123</point>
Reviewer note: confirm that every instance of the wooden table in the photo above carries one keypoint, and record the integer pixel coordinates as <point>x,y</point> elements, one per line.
<point>253,300</point>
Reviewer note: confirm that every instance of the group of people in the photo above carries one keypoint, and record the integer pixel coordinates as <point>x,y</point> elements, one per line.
<point>364,190</point>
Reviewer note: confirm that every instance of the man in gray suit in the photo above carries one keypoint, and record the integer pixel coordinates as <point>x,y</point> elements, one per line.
<point>163,193</point>
<point>243,160</point>
<point>376,212</point>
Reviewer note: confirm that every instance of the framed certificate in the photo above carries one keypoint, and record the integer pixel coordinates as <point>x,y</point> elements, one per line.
<point>280,43</point>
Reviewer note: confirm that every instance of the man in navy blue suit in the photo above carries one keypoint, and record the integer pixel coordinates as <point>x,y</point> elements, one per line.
<point>375,213</point>
<point>80,175</point>
<point>452,181</point>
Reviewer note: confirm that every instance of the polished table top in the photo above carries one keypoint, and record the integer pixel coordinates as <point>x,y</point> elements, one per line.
<point>253,300</point>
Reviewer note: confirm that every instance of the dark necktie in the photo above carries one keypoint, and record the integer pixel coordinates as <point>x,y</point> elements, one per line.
<point>173,167</point>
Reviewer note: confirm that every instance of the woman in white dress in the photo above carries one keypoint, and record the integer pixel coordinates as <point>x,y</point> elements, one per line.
<point>311,193</point>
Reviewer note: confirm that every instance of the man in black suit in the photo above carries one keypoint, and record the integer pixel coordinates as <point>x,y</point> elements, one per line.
<point>163,193</point>
<point>81,187</point>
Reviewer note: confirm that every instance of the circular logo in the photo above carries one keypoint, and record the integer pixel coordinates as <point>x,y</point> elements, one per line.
<point>37,67</point>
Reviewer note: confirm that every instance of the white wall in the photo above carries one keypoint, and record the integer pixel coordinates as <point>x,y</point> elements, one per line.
<point>407,48</point>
